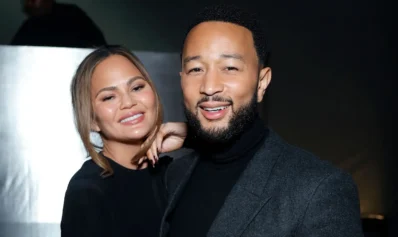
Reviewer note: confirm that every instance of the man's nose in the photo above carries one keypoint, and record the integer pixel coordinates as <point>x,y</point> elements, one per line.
<point>211,84</point>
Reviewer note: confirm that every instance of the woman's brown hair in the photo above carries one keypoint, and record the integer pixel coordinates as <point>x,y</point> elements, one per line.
<point>82,104</point>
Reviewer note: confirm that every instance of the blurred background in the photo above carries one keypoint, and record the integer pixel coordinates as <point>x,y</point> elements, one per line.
<point>333,91</point>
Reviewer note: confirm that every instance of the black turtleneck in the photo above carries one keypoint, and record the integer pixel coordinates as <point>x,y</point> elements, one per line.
<point>216,173</point>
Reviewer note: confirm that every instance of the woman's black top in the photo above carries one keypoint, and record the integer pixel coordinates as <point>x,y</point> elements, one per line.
<point>128,203</point>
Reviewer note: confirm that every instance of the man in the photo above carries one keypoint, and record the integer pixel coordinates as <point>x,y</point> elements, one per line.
<point>242,179</point>
<point>59,25</point>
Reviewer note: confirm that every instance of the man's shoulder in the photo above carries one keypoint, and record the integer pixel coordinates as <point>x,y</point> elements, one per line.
<point>181,164</point>
<point>185,160</point>
<point>300,167</point>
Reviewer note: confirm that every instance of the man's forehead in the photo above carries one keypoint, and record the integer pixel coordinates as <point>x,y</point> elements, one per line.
<point>218,44</point>
<point>220,28</point>
<point>221,35</point>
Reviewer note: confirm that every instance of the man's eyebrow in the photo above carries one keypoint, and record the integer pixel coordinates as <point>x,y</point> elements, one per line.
<point>234,55</point>
<point>197,57</point>
<point>190,58</point>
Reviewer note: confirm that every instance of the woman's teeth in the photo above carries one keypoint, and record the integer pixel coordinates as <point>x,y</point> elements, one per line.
<point>131,118</point>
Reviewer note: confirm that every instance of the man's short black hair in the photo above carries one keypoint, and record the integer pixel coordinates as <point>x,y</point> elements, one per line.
<point>232,14</point>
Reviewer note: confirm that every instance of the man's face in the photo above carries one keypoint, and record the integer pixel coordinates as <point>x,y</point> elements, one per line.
<point>220,79</point>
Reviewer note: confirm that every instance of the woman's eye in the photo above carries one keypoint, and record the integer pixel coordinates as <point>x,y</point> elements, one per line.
<point>137,88</point>
<point>107,98</point>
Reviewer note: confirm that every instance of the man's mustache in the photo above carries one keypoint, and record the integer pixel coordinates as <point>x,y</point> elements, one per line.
<point>214,98</point>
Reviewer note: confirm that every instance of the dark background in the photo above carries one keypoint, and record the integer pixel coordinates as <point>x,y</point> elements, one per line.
<point>334,74</point>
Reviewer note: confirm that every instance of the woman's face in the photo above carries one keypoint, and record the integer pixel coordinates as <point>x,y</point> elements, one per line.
<point>124,103</point>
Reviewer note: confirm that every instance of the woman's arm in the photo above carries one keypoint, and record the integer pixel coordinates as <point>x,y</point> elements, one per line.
<point>85,212</point>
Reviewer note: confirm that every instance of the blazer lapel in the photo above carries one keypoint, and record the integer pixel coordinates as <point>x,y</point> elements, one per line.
<point>188,163</point>
<point>248,195</point>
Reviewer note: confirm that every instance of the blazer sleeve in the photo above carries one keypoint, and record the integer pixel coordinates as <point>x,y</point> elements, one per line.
<point>333,209</point>
<point>85,213</point>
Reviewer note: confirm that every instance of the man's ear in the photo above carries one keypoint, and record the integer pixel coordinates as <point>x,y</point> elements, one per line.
<point>263,82</point>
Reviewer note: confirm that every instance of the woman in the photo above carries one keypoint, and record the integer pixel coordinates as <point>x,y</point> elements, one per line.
<point>117,192</point>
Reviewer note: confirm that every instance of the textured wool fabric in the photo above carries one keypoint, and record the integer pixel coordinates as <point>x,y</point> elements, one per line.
<point>284,191</point>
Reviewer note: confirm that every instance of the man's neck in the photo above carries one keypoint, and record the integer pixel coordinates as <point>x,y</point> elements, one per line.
<point>236,147</point>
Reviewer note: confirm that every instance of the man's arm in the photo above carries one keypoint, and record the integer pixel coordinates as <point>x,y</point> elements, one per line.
<point>333,209</point>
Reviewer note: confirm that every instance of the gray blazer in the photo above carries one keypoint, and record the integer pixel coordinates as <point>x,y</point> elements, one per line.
<point>284,191</point>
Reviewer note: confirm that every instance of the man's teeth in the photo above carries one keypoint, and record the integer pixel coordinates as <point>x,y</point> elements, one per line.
<point>131,118</point>
<point>215,109</point>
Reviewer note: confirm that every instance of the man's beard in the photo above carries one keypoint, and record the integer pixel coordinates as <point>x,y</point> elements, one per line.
<point>240,120</point>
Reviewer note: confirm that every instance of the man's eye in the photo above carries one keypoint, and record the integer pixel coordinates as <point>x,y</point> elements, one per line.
<point>137,88</point>
<point>231,69</point>
<point>196,69</point>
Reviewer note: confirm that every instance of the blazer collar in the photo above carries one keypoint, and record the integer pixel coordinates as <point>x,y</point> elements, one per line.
<point>246,198</point>
<point>250,193</point>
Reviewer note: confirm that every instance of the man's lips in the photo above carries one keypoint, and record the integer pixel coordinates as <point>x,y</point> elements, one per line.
<point>214,105</point>
<point>214,110</point>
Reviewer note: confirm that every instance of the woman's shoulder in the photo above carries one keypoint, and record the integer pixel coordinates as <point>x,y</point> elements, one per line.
<point>84,202</point>
<point>89,175</point>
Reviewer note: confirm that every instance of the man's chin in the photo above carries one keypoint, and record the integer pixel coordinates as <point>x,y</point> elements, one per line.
<point>212,126</point>
<point>214,123</point>
<point>210,131</point>
<point>216,132</point>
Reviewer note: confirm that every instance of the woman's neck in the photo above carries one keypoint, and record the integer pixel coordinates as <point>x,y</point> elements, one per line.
<point>123,153</point>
